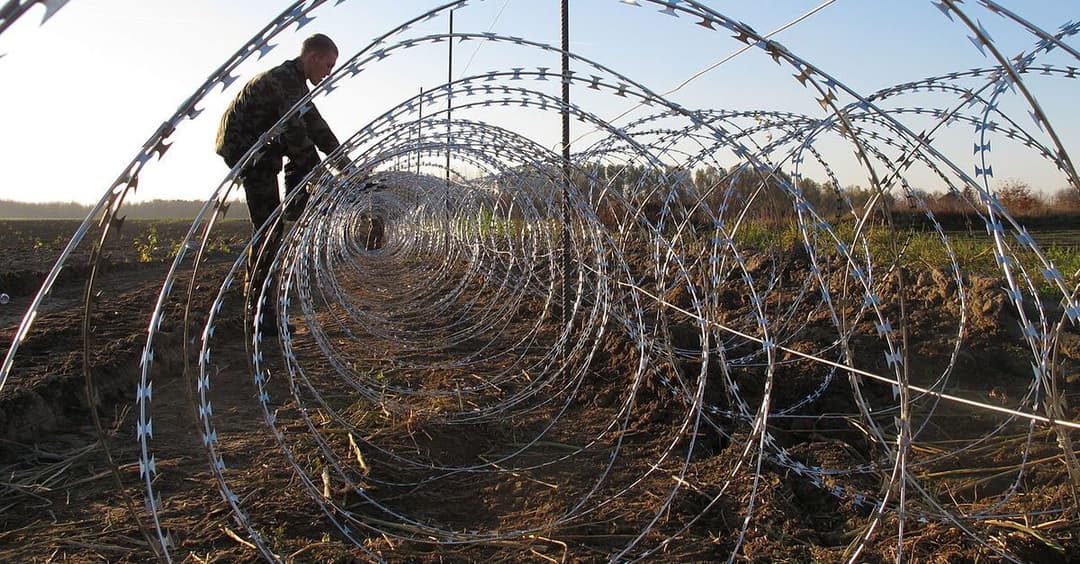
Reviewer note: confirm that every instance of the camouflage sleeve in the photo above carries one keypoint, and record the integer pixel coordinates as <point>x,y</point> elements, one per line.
<point>298,145</point>
<point>319,132</point>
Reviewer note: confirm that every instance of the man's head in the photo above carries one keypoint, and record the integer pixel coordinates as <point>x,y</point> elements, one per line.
<point>318,57</point>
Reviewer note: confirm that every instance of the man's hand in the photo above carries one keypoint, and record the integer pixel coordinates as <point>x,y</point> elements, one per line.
<point>340,166</point>
<point>345,170</point>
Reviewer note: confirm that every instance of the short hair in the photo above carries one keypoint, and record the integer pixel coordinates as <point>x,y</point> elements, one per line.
<point>319,43</point>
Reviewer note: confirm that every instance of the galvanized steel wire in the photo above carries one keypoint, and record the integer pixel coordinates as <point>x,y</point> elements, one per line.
<point>467,287</point>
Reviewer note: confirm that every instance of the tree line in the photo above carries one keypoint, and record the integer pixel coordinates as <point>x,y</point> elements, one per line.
<point>153,209</point>
<point>768,192</point>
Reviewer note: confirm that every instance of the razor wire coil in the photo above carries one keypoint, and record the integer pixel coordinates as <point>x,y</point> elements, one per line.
<point>456,321</point>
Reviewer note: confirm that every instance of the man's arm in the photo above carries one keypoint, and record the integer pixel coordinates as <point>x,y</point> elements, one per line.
<point>294,136</point>
<point>319,132</point>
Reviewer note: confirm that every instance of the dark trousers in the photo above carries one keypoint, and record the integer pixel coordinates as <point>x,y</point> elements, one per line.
<point>375,233</point>
<point>261,190</point>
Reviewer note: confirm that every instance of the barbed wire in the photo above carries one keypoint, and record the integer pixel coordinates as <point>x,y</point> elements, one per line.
<point>753,307</point>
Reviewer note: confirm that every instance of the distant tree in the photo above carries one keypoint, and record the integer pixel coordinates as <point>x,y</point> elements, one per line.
<point>857,196</point>
<point>1066,199</point>
<point>708,178</point>
<point>812,191</point>
<point>950,202</point>
<point>1017,197</point>
<point>969,195</point>
<point>918,194</point>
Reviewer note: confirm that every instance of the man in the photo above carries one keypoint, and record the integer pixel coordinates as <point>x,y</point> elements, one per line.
<point>261,103</point>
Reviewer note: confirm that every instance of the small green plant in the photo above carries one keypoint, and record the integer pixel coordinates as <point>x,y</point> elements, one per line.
<point>150,247</point>
<point>146,245</point>
<point>219,244</point>
<point>766,236</point>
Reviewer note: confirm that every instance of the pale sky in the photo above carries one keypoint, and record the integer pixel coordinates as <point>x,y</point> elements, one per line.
<point>83,92</point>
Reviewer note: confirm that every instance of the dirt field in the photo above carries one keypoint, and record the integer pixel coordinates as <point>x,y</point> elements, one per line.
<point>566,468</point>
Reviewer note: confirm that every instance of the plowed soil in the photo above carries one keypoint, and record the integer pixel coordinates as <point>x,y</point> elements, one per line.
<point>59,500</point>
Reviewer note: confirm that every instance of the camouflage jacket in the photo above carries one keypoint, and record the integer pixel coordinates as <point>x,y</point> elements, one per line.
<point>261,104</point>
